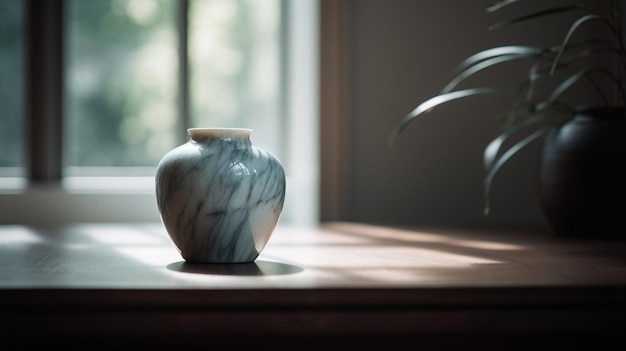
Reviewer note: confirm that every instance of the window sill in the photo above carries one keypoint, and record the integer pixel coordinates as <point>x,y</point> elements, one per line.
<point>78,200</point>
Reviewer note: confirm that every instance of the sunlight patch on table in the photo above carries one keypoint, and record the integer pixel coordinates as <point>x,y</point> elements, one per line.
<point>19,235</point>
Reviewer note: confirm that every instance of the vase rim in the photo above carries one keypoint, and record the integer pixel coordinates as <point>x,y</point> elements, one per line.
<point>205,133</point>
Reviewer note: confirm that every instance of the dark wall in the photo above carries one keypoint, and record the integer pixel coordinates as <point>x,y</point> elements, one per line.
<point>402,52</point>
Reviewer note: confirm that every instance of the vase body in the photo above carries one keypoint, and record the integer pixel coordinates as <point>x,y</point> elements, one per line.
<point>582,184</point>
<point>219,196</point>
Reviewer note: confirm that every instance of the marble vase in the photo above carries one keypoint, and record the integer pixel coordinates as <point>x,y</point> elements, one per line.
<point>220,196</point>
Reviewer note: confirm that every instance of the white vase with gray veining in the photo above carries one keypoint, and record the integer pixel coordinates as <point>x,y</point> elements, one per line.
<point>219,196</point>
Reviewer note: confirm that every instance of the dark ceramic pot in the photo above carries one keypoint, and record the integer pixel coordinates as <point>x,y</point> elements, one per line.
<point>582,184</point>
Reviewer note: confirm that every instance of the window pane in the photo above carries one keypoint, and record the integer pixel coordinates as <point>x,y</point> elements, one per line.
<point>121,83</point>
<point>11,85</point>
<point>234,59</point>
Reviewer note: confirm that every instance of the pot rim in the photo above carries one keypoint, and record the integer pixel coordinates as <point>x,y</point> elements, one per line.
<point>583,108</point>
<point>599,112</point>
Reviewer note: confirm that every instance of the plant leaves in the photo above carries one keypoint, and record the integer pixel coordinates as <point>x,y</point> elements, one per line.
<point>500,4</point>
<point>580,74</point>
<point>499,51</point>
<point>571,31</point>
<point>580,52</point>
<point>493,148</point>
<point>504,158</point>
<point>587,49</point>
<point>435,101</point>
<point>486,63</point>
<point>544,13</point>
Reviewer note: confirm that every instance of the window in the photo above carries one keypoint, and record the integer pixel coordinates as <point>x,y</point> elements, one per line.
<point>136,74</point>
<point>11,59</point>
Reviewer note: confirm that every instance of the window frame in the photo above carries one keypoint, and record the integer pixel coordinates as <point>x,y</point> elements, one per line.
<point>45,197</point>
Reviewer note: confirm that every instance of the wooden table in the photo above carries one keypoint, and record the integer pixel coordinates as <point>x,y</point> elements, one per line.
<point>336,286</point>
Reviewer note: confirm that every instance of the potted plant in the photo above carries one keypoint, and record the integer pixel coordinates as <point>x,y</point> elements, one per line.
<point>583,162</point>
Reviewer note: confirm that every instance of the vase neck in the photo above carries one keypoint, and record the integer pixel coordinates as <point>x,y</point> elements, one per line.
<point>204,135</point>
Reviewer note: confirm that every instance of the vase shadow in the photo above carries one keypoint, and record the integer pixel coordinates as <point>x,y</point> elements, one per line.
<point>256,268</point>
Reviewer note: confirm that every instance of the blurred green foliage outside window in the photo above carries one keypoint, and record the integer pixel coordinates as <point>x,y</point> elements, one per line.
<point>120,82</point>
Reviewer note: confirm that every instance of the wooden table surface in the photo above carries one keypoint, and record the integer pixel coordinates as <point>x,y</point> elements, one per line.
<point>339,282</point>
